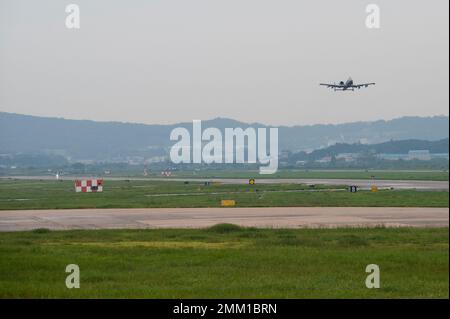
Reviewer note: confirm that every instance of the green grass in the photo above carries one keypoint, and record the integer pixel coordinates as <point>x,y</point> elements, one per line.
<point>22,194</point>
<point>430,175</point>
<point>226,261</point>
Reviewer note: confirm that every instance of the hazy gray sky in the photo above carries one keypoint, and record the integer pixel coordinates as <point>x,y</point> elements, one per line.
<point>164,61</point>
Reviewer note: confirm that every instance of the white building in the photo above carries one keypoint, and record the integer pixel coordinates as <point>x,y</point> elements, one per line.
<point>421,155</point>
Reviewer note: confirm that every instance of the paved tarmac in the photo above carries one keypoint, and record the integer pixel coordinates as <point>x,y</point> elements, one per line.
<point>364,184</point>
<point>396,184</point>
<point>272,217</point>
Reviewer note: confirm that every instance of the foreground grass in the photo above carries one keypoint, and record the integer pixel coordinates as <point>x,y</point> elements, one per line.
<point>20,194</point>
<point>226,261</point>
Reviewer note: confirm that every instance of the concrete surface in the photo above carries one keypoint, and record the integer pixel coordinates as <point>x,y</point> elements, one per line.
<point>366,184</point>
<point>273,217</point>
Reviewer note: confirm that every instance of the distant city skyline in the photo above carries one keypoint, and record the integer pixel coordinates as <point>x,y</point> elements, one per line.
<point>165,62</point>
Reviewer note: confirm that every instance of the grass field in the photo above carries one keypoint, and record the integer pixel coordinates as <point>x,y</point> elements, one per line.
<point>431,175</point>
<point>226,261</point>
<point>28,194</point>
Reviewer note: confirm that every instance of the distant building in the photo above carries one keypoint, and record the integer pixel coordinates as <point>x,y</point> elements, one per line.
<point>284,154</point>
<point>326,159</point>
<point>421,155</point>
<point>156,159</point>
<point>440,156</point>
<point>347,157</point>
<point>86,161</point>
<point>393,157</point>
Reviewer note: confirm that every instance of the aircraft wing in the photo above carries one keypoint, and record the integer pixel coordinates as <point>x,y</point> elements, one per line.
<point>362,85</point>
<point>328,85</point>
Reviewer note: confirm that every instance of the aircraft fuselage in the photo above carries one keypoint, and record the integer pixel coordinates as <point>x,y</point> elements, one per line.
<point>347,84</point>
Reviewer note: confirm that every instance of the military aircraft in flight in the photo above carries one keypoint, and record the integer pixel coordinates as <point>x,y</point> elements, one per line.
<point>346,86</point>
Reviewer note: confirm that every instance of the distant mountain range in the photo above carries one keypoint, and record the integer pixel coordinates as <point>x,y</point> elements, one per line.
<point>83,139</point>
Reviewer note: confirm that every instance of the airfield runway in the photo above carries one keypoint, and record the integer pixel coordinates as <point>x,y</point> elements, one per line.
<point>264,217</point>
<point>361,183</point>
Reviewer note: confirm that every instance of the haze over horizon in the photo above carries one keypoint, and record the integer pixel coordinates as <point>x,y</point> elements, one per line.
<point>225,118</point>
<point>163,62</point>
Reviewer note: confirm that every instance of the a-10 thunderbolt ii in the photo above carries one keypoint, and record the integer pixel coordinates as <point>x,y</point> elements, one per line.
<point>346,86</point>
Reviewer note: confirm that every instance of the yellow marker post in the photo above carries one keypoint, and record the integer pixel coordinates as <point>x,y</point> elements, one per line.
<point>374,189</point>
<point>227,202</point>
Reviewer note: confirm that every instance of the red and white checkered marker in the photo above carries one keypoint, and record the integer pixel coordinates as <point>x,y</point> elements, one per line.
<point>89,185</point>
